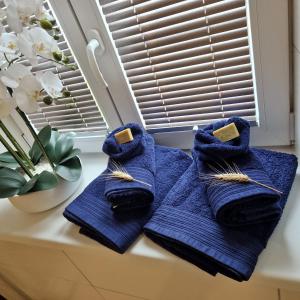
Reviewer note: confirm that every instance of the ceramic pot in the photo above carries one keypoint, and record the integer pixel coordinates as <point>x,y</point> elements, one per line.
<point>45,200</point>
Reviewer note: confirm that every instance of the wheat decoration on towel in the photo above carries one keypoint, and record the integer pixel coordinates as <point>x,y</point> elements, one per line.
<point>230,173</point>
<point>119,172</point>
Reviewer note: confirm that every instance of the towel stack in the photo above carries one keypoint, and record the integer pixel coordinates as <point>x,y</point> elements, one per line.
<point>113,211</point>
<point>224,226</point>
<point>219,225</point>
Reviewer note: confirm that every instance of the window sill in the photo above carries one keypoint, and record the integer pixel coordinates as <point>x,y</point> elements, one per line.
<point>279,264</point>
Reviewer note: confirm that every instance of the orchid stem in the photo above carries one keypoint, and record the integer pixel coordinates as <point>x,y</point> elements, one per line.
<point>58,62</point>
<point>10,61</point>
<point>18,147</point>
<point>15,156</point>
<point>36,138</point>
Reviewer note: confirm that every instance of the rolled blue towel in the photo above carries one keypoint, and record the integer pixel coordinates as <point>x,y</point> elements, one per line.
<point>91,211</point>
<point>137,158</point>
<point>185,224</point>
<point>234,203</point>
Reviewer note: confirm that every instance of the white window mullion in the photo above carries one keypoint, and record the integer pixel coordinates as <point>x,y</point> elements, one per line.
<point>108,63</point>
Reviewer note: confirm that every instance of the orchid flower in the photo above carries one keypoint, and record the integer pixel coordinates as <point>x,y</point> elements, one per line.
<point>19,12</point>
<point>8,47</point>
<point>12,76</point>
<point>28,93</point>
<point>8,42</point>
<point>7,103</point>
<point>37,42</point>
<point>51,83</point>
<point>43,14</point>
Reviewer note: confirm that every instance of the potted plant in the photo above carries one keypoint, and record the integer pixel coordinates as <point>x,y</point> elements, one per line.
<point>50,172</point>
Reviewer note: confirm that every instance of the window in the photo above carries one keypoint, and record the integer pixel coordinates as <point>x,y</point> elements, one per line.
<point>187,62</point>
<point>170,65</point>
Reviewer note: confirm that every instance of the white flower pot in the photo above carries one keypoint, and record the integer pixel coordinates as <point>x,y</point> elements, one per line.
<point>45,200</point>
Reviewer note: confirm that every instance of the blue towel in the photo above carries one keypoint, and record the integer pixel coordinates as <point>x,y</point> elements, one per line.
<point>233,203</point>
<point>92,212</point>
<point>185,224</point>
<point>138,159</point>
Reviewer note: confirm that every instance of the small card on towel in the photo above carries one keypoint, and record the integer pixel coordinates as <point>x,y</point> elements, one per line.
<point>226,133</point>
<point>124,136</point>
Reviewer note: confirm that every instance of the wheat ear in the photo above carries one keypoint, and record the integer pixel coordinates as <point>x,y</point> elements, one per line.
<point>119,172</point>
<point>233,174</point>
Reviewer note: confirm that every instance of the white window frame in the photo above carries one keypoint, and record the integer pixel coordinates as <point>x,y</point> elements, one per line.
<point>268,28</point>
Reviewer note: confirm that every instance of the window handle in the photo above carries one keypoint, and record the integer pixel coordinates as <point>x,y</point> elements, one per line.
<point>95,47</point>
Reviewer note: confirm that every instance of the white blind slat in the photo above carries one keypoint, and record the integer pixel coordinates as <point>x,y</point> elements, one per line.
<point>160,107</point>
<point>194,99</point>
<point>192,77</point>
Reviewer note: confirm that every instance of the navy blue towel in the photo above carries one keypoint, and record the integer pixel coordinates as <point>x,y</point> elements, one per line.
<point>235,203</point>
<point>137,158</point>
<point>186,225</point>
<point>92,212</point>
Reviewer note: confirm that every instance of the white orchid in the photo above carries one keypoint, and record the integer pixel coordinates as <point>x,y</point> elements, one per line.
<point>7,103</point>
<point>36,42</point>
<point>51,83</point>
<point>19,12</point>
<point>12,76</point>
<point>28,93</point>
<point>43,14</point>
<point>32,39</point>
<point>8,47</point>
<point>8,42</point>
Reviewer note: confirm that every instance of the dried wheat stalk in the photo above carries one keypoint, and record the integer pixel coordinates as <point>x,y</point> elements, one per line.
<point>119,172</point>
<point>231,173</point>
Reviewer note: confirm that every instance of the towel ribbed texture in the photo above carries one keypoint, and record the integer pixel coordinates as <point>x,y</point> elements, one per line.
<point>137,157</point>
<point>186,223</point>
<point>233,203</point>
<point>118,230</point>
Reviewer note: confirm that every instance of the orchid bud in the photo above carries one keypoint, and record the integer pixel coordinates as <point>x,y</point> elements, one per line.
<point>66,60</point>
<point>66,94</point>
<point>57,56</point>
<point>45,24</point>
<point>73,67</point>
<point>47,100</point>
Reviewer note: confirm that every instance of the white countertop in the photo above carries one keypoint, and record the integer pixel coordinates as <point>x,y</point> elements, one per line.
<point>279,262</point>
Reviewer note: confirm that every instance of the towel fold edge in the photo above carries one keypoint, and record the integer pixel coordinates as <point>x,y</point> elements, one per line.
<point>184,234</point>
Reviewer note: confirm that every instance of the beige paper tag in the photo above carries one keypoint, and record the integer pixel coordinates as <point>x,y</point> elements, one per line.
<point>124,136</point>
<point>227,133</point>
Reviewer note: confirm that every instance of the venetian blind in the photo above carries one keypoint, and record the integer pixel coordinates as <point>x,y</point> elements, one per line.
<point>187,61</point>
<point>79,112</point>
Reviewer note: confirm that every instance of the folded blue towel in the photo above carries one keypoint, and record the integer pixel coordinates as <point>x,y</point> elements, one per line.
<point>235,203</point>
<point>185,224</point>
<point>138,159</point>
<point>92,212</point>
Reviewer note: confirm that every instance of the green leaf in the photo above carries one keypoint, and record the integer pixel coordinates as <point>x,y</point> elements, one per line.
<point>63,147</point>
<point>44,136</point>
<point>70,170</point>
<point>10,182</point>
<point>7,157</point>
<point>8,161</point>
<point>9,165</point>
<point>50,148</point>
<point>74,152</point>
<point>29,185</point>
<point>45,181</point>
